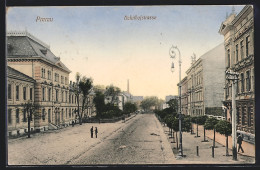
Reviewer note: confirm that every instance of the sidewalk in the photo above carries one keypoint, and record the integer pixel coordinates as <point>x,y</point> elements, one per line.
<point>190,143</point>
<point>59,147</point>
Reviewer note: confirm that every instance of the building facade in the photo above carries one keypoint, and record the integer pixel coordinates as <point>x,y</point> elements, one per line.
<point>203,85</point>
<point>184,96</point>
<point>51,90</point>
<point>238,32</point>
<point>20,88</point>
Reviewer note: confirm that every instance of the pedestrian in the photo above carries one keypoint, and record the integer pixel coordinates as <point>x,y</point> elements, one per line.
<point>72,123</point>
<point>91,132</point>
<point>239,141</point>
<point>96,131</point>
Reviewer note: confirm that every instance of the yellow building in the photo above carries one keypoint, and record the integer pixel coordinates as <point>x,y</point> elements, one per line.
<point>51,90</point>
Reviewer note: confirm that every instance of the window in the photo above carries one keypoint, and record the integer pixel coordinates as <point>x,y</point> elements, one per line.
<point>242,82</point>
<point>9,116</point>
<point>43,94</point>
<point>241,49</point>
<point>17,116</point>
<point>238,115</point>
<point>237,53</point>
<point>69,98</point>
<point>66,114</point>
<point>43,73</point>
<point>62,96</point>
<point>70,113</point>
<point>57,77</point>
<point>49,94</point>
<point>249,121</point>
<point>228,58</point>
<point>49,75</point>
<point>24,115</point>
<point>243,115</point>
<point>17,92</point>
<point>66,80</point>
<point>31,95</point>
<point>24,93</point>
<point>247,46</point>
<point>57,95</point>
<point>66,97</point>
<point>248,81</point>
<point>9,91</point>
<point>62,80</point>
<point>43,115</point>
<point>49,115</point>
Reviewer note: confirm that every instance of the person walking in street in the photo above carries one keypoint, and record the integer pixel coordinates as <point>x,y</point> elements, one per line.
<point>96,131</point>
<point>91,132</point>
<point>239,141</point>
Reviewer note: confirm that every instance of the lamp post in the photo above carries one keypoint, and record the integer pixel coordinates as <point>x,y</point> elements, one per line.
<point>173,55</point>
<point>233,76</point>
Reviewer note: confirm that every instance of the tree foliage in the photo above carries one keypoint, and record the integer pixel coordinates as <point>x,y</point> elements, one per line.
<point>129,107</point>
<point>82,89</point>
<point>210,123</point>
<point>113,92</point>
<point>148,102</point>
<point>224,127</point>
<point>173,103</point>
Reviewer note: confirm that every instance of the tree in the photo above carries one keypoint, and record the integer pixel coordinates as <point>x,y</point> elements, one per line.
<point>85,86</point>
<point>99,101</point>
<point>129,107</point>
<point>201,121</point>
<point>225,128</point>
<point>82,89</point>
<point>30,108</point>
<point>148,102</point>
<point>173,103</point>
<point>113,92</point>
<point>210,124</point>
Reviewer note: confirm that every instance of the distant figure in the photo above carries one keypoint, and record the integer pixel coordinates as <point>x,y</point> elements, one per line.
<point>239,141</point>
<point>91,132</point>
<point>72,123</point>
<point>96,131</point>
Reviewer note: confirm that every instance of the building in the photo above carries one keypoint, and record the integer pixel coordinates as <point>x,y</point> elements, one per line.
<point>202,93</point>
<point>20,88</point>
<point>31,57</point>
<point>184,95</point>
<point>238,32</point>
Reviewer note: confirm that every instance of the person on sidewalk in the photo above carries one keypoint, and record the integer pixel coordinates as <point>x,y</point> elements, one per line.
<point>91,132</point>
<point>239,141</point>
<point>96,131</point>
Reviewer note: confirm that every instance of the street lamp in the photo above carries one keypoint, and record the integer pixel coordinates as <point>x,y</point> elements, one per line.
<point>173,55</point>
<point>233,76</point>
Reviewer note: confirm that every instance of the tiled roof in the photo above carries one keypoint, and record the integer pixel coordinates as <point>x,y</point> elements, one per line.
<point>25,45</point>
<point>12,73</point>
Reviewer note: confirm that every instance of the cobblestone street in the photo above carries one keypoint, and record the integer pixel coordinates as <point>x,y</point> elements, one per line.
<point>140,140</point>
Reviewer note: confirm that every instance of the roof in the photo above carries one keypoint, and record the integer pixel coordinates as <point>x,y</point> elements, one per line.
<point>12,73</point>
<point>23,44</point>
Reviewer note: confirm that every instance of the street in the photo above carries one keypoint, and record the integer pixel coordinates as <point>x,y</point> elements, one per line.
<point>140,140</point>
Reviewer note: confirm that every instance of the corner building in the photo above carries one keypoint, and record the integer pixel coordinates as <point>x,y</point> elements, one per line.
<point>51,89</point>
<point>238,32</point>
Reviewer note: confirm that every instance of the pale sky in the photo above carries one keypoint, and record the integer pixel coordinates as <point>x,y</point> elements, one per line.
<point>99,43</point>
